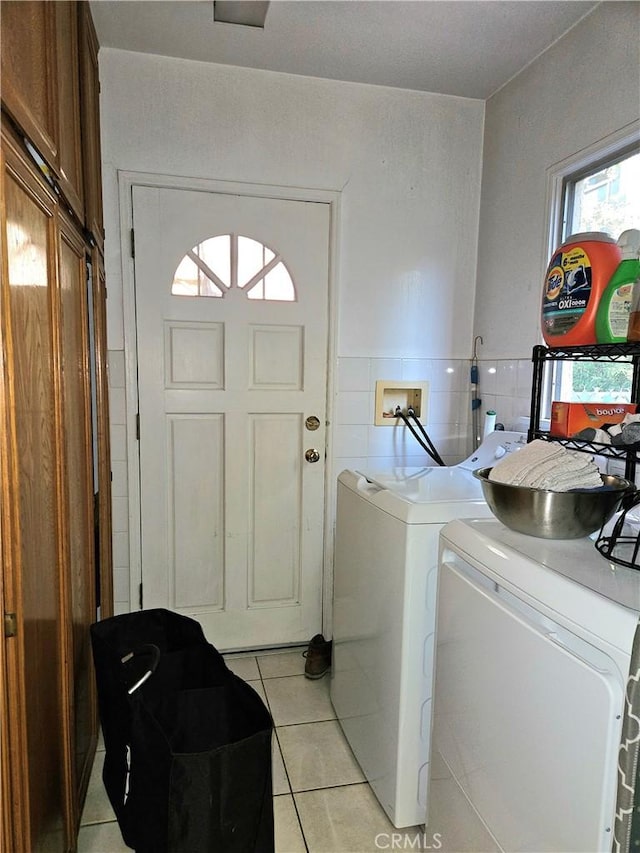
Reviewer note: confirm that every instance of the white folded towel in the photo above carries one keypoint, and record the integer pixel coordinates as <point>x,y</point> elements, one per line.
<point>544,465</point>
<point>516,467</point>
<point>576,476</point>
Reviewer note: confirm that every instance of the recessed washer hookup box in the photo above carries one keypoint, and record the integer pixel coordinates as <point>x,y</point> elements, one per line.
<point>569,418</point>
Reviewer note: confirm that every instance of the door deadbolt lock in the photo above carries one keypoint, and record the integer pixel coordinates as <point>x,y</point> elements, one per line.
<point>312,423</point>
<point>312,455</point>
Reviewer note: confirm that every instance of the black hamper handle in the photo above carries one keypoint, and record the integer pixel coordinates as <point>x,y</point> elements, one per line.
<point>146,649</point>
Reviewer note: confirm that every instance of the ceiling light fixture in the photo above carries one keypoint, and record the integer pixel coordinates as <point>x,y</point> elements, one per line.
<point>247,13</point>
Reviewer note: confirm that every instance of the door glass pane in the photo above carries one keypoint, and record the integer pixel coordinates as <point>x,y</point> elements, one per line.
<point>216,253</point>
<point>185,280</point>
<point>251,259</point>
<point>278,284</point>
<point>212,267</point>
<point>207,287</point>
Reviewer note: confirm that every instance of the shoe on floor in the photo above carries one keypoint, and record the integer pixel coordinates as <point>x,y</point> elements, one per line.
<point>318,657</point>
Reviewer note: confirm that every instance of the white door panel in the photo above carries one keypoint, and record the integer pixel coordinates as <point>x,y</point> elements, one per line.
<point>232,514</point>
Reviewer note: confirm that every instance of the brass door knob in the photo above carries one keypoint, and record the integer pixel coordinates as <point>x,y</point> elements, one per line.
<point>312,455</point>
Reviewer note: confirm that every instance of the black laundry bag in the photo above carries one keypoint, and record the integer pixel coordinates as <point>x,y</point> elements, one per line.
<point>187,743</point>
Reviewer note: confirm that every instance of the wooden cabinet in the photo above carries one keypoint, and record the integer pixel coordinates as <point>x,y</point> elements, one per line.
<point>101,438</point>
<point>70,156</point>
<point>50,89</point>
<point>90,107</point>
<point>29,72</point>
<point>36,655</point>
<point>78,487</point>
<point>54,451</point>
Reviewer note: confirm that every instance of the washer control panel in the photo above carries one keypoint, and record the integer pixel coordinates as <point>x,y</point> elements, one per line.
<point>494,446</point>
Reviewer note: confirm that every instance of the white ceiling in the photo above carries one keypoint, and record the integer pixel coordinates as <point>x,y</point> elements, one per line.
<point>456,47</point>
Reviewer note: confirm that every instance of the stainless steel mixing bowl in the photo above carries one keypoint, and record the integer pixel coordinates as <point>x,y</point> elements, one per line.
<point>553,515</point>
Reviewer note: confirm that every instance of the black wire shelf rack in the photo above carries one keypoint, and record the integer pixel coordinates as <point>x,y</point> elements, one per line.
<point>628,353</point>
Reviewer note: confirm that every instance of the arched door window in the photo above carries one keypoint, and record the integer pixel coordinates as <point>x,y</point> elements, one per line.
<point>232,261</point>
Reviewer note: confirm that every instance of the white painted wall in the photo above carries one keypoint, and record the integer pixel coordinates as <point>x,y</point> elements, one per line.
<point>408,167</point>
<point>408,164</point>
<point>586,87</point>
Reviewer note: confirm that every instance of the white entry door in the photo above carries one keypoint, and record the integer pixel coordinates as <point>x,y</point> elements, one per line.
<point>231,314</point>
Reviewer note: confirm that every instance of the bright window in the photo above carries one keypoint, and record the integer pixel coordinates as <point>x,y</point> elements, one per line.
<point>230,261</point>
<point>606,198</point>
<point>602,195</point>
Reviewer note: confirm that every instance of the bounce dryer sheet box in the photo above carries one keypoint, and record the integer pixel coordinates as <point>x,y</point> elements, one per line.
<point>569,418</point>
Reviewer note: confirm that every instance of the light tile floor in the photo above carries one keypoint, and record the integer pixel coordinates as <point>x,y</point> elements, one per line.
<point>322,803</point>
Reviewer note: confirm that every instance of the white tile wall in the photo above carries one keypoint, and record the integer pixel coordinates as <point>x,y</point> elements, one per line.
<point>447,420</point>
<point>117,405</point>
<point>118,443</point>
<point>120,514</point>
<point>353,374</point>
<point>121,549</point>
<point>119,485</point>
<point>504,385</point>
<point>115,367</point>
<point>385,368</point>
<point>350,439</point>
<point>354,407</point>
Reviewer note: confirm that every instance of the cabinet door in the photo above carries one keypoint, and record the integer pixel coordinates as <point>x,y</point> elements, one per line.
<point>90,117</point>
<point>68,94</point>
<point>77,444</point>
<point>7,834</point>
<point>102,437</point>
<point>29,72</point>
<point>36,657</point>
<point>41,85</point>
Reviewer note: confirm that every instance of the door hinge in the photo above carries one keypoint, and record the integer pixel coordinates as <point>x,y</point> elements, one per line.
<point>133,243</point>
<point>140,595</point>
<point>138,426</point>
<point>10,625</point>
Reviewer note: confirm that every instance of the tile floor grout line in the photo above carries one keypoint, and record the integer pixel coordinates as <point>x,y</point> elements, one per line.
<point>307,722</point>
<point>304,837</point>
<point>291,675</point>
<point>100,822</point>
<point>272,677</point>
<point>293,799</point>
<point>266,698</point>
<point>331,787</point>
<point>284,764</point>
<point>261,652</point>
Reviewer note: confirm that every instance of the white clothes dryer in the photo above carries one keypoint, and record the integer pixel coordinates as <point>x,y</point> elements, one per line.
<point>535,639</point>
<point>385,572</point>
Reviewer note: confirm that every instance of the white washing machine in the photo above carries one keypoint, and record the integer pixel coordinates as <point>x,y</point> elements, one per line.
<point>385,571</point>
<point>534,644</point>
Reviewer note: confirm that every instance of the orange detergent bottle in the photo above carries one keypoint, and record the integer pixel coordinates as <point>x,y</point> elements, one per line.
<point>576,278</point>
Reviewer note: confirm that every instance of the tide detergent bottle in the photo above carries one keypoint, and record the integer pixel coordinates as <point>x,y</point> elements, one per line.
<point>576,279</point>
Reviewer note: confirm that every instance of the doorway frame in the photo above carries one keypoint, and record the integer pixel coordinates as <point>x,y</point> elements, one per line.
<point>126,182</point>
